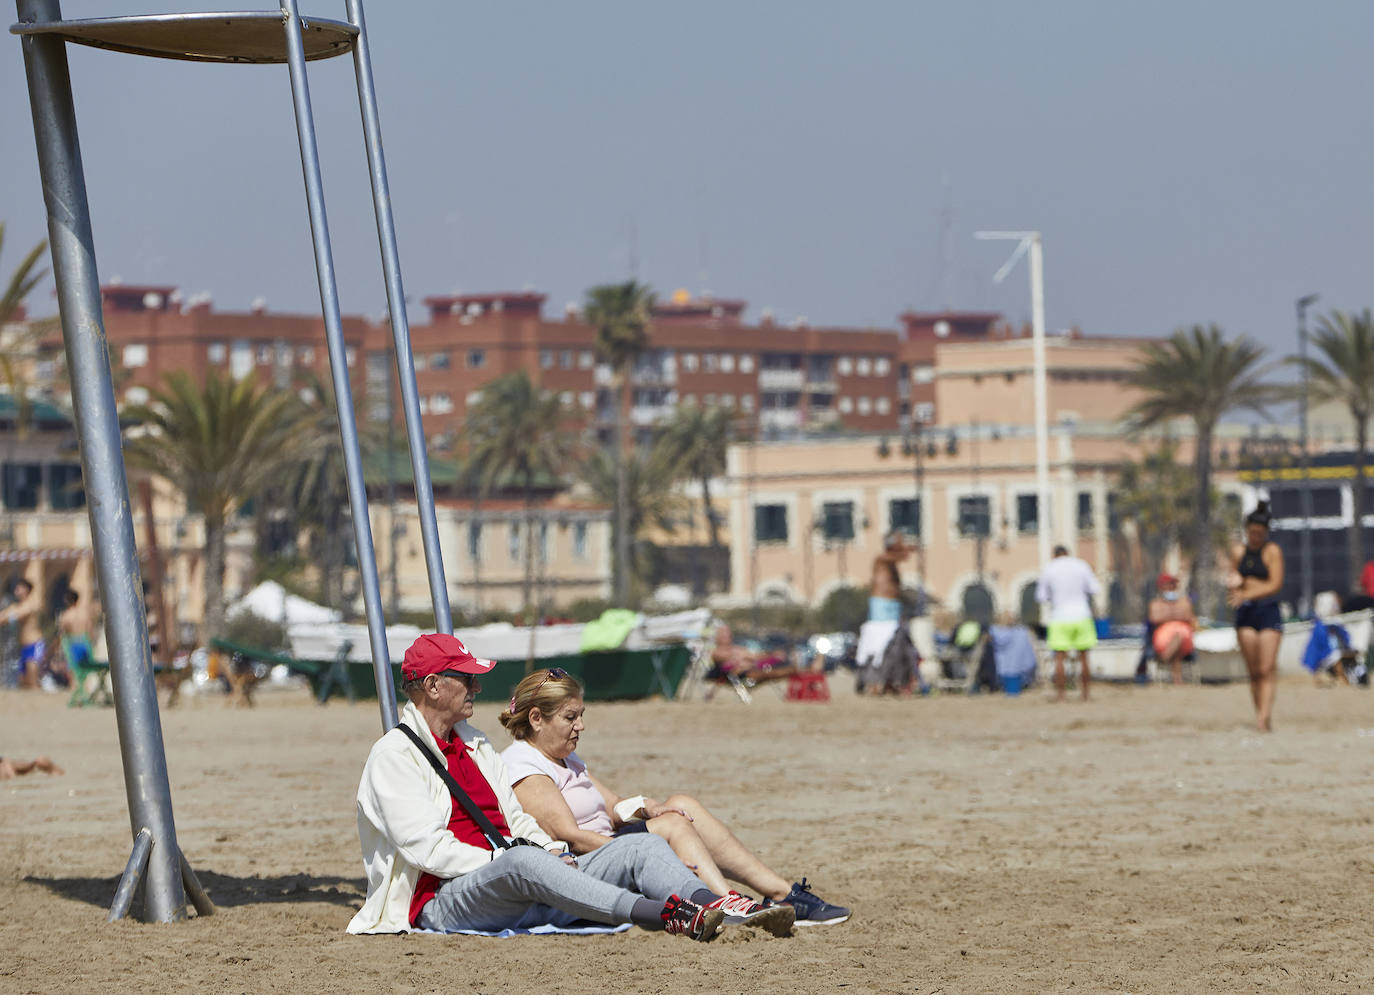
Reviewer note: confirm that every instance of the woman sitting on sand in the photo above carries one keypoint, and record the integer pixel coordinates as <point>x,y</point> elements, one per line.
<point>553,785</point>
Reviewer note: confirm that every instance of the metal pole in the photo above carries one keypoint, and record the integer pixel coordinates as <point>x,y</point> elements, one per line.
<point>920,520</point>
<point>102,457</point>
<point>1042,435</point>
<point>1306,548</point>
<point>400,324</point>
<point>133,874</point>
<point>338,363</point>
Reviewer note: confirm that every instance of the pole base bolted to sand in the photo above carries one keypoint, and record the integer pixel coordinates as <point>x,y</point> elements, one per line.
<point>246,37</point>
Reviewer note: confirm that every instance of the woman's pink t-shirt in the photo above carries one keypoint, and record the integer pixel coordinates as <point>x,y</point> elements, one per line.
<point>588,807</point>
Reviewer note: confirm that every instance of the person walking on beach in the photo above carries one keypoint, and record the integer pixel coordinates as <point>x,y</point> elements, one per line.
<point>447,847</point>
<point>1254,583</point>
<point>1068,586</point>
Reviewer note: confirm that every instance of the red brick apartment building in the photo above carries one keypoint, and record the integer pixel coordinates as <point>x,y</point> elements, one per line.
<point>781,380</point>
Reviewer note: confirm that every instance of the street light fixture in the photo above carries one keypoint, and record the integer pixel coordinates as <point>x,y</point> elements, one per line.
<point>1306,555</point>
<point>1029,241</point>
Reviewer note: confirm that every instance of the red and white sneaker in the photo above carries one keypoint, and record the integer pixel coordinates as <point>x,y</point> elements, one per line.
<point>684,918</point>
<point>741,910</point>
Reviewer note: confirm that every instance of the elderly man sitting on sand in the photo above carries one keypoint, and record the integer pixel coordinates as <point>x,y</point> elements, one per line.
<point>436,813</point>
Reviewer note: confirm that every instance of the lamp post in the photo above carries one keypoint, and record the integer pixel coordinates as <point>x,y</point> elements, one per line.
<point>1306,555</point>
<point>1030,241</point>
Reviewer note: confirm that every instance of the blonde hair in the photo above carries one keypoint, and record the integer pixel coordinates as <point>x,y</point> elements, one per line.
<point>545,690</point>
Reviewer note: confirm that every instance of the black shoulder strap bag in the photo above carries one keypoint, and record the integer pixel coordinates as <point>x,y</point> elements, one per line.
<point>493,835</point>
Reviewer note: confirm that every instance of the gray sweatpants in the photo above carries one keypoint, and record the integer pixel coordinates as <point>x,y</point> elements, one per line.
<point>526,886</point>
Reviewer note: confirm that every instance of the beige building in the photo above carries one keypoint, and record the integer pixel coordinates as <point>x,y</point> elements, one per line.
<point>483,548</point>
<point>812,514</point>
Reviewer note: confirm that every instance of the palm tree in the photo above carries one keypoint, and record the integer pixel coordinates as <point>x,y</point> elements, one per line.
<point>1155,494</point>
<point>19,352</point>
<point>650,500</point>
<point>620,313</point>
<point>1197,374</point>
<point>516,434</point>
<point>697,439</point>
<point>1343,373</point>
<point>219,444</point>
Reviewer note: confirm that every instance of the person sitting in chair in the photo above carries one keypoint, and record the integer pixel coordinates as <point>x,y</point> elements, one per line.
<point>1173,622</point>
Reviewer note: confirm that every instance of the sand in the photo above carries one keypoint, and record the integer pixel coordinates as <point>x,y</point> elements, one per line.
<point>1147,841</point>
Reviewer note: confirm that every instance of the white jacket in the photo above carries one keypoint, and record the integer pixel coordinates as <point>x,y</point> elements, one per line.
<point>404,809</point>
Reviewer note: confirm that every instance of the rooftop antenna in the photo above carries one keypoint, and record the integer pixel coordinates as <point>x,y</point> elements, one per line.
<point>1029,242</point>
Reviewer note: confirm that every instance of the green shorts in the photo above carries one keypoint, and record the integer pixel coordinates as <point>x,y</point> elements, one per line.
<point>1076,635</point>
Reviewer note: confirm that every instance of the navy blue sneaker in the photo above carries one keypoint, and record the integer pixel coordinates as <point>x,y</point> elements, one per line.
<point>812,910</point>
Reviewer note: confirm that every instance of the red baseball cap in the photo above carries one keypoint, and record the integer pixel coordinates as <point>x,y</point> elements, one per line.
<point>1165,579</point>
<point>435,652</point>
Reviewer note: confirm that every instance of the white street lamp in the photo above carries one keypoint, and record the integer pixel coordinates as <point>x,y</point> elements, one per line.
<point>1030,240</point>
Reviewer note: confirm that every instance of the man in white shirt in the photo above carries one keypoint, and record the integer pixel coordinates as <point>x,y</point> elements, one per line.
<point>1067,586</point>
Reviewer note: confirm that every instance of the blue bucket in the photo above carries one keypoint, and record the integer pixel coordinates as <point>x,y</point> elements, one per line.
<point>1011,684</point>
<point>1104,627</point>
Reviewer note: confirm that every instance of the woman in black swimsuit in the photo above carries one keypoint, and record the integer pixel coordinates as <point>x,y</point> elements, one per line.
<point>1255,585</point>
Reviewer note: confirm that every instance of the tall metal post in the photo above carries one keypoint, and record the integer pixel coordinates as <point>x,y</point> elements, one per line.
<point>338,364</point>
<point>1306,542</point>
<point>102,460</point>
<point>920,523</point>
<point>400,323</point>
<point>1042,433</point>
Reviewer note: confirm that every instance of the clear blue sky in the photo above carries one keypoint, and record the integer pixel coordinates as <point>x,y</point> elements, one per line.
<point>1187,162</point>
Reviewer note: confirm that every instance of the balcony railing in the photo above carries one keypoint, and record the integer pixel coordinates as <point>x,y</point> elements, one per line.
<point>781,379</point>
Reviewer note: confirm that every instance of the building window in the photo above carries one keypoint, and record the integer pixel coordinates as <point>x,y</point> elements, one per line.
<point>746,403</point>
<point>22,482</point>
<point>846,405</point>
<point>837,521</point>
<point>865,406</point>
<point>746,363</point>
<point>477,358</point>
<point>136,395</point>
<point>727,400</point>
<point>215,352</point>
<point>845,366</point>
<point>881,366</point>
<point>1027,514</point>
<point>727,363</point>
<point>925,412</point>
<point>513,542</point>
<point>863,367</point>
<point>264,353</point>
<point>546,359</point>
<point>709,400</point>
<point>708,362</point>
<point>770,523</point>
<point>882,405</point>
<point>586,359</point>
<point>440,361</point>
<point>441,404</point>
<point>420,360</point>
<point>975,516</point>
<point>307,355</point>
<point>904,515</point>
<point>588,399</point>
<point>565,359</point>
<point>475,541</point>
<point>135,355</point>
<point>579,540</point>
<point>821,402</point>
<point>65,492</point>
<point>350,355</point>
<point>1085,511</point>
<point>923,374</point>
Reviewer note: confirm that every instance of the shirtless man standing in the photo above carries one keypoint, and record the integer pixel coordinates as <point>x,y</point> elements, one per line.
<point>887,660</point>
<point>25,611</point>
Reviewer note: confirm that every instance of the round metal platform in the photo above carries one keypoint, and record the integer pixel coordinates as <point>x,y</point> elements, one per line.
<point>253,36</point>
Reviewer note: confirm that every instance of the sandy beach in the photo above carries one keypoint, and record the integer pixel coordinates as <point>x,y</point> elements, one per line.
<point>1147,841</point>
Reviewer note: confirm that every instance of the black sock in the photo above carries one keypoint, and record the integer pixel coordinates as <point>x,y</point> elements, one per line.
<point>703,896</point>
<point>647,913</point>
